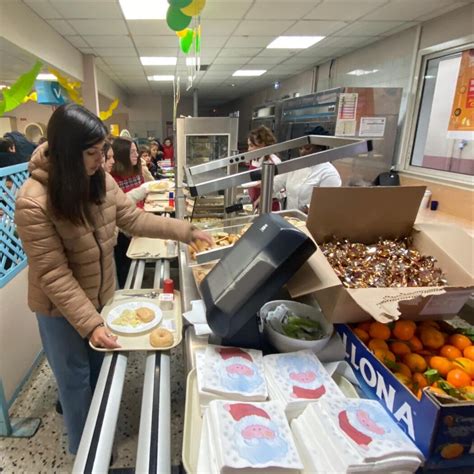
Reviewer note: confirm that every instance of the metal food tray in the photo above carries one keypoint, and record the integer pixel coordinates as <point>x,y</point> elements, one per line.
<point>196,269</point>
<point>172,320</point>
<point>147,248</point>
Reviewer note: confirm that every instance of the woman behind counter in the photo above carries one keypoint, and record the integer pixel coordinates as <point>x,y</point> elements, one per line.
<point>66,215</point>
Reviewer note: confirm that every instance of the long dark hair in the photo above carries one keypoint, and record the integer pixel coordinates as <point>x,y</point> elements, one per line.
<point>123,166</point>
<point>72,129</point>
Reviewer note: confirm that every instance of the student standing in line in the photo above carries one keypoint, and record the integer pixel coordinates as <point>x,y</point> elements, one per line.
<point>66,215</point>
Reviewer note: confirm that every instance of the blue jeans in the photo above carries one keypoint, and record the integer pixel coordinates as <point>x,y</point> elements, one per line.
<point>76,368</point>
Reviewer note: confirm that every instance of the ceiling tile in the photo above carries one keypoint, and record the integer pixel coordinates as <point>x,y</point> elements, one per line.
<point>278,53</point>
<point>158,51</point>
<point>155,41</point>
<point>251,41</point>
<point>150,70</point>
<point>226,10</point>
<point>343,10</point>
<point>124,52</point>
<point>222,68</point>
<point>344,41</point>
<point>98,27</point>
<point>404,26</point>
<point>213,41</point>
<point>150,27</point>
<point>233,52</point>
<point>315,27</point>
<point>368,28</point>
<point>126,69</point>
<point>87,9</point>
<point>43,8</point>
<point>298,61</point>
<point>442,11</point>
<point>117,60</point>
<point>87,51</point>
<point>236,60</point>
<point>258,27</point>
<point>62,27</point>
<point>109,41</point>
<point>218,27</point>
<point>407,9</point>
<point>265,61</point>
<point>287,10</point>
<point>77,41</point>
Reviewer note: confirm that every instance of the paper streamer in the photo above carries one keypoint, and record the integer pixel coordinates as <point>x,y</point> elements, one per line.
<point>108,113</point>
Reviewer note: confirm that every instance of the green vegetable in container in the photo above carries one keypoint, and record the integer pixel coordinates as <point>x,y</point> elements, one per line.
<point>301,328</point>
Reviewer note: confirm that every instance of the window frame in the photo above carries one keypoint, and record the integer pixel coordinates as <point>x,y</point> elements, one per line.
<point>408,144</point>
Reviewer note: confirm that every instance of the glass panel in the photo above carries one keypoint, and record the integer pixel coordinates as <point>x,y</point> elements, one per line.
<point>444,137</point>
<point>204,148</point>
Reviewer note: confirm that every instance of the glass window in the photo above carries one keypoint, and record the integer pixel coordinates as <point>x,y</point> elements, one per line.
<point>444,138</point>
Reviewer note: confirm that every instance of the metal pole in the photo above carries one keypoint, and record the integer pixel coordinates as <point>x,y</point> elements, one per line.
<point>268,172</point>
<point>195,103</point>
<point>230,193</point>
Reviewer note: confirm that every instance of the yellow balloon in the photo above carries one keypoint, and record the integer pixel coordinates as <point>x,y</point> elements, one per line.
<point>194,8</point>
<point>182,33</point>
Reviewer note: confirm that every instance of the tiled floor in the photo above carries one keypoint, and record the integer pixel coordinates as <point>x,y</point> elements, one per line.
<point>47,452</point>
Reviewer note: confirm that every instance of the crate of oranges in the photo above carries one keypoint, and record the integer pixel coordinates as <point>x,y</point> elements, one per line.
<point>428,354</point>
<point>423,374</point>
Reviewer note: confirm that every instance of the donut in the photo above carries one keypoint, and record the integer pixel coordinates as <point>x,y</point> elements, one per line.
<point>161,337</point>
<point>145,315</point>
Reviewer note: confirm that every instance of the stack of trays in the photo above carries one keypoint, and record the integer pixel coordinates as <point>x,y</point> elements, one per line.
<point>352,436</point>
<point>296,379</point>
<point>245,437</point>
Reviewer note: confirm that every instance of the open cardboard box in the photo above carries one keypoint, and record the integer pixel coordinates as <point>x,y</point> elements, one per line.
<point>365,215</point>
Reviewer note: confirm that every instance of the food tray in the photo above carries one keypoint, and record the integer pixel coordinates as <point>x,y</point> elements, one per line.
<point>172,320</point>
<point>146,248</point>
<point>161,186</point>
<point>158,206</point>
<point>200,271</point>
<point>193,421</point>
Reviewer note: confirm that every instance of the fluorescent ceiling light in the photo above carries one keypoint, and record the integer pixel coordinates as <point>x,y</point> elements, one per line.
<point>46,77</point>
<point>158,61</point>
<point>249,72</point>
<point>144,9</point>
<point>3,86</point>
<point>192,61</point>
<point>161,78</point>
<point>294,42</point>
<point>361,72</point>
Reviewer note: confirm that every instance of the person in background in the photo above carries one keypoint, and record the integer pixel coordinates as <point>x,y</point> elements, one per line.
<point>298,185</point>
<point>8,154</point>
<point>66,215</point>
<point>108,153</point>
<point>168,150</point>
<point>42,140</point>
<point>156,151</point>
<point>23,147</point>
<point>145,156</point>
<point>259,138</point>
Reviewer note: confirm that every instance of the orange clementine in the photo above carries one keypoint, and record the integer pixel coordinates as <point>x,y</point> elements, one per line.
<point>451,451</point>
<point>399,348</point>
<point>458,378</point>
<point>468,352</point>
<point>403,369</point>
<point>420,380</point>
<point>460,341</point>
<point>384,356</point>
<point>404,330</point>
<point>469,390</point>
<point>441,364</point>
<point>404,379</point>
<point>379,331</point>
<point>362,335</point>
<point>429,324</point>
<point>378,344</point>
<point>415,344</point>
<point>431,338</point>
<point>365,326</point>
<point>450,352</point>
<point>464,364</point>
<point>415,362</point>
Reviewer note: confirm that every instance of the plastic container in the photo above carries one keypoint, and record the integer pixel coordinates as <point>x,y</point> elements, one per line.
<point>425,202</point>
<point>288,344</point>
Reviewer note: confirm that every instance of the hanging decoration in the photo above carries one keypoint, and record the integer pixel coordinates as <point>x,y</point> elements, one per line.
<point>16,93</point>
<point>108,113</point>
<point>71,87</point>
<point>194,8</point>
<point>176,19</point>
<point>179,3</point>
<point>186,41</point>
<point>33,97</point>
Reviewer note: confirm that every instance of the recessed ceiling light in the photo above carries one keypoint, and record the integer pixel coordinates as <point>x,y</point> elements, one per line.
<point>46,77</point>
<point>249,72</point>
<point>294,42</point>
<point>158,61</point>
<point>361,72</point>
<point>161,78</point>
<point>144,9</point>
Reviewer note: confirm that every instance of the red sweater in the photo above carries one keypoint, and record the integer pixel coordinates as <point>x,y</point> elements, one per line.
<point>168,152</point>
<point>127,184</point>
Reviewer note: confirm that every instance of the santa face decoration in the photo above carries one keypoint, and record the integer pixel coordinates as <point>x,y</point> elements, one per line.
<point>237,370</point>
<point>304,377</point>
<point>360,426</point>
<point>257,438</point>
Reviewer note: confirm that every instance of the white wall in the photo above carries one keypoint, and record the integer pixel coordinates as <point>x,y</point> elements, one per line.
<point>31,112</point>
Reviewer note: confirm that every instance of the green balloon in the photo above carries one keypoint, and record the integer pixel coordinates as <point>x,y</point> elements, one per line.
<point>176,19</point>
<point>197,42</point>
<point>179,3</point>
<point>186,41</point>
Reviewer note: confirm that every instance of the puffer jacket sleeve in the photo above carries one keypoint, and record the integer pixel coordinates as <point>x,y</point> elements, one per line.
<point>47,258</point>
<point>143,224</point>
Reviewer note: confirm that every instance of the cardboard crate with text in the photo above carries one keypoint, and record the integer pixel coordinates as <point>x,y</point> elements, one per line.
<point>366,215</point>
<point>444,432</point>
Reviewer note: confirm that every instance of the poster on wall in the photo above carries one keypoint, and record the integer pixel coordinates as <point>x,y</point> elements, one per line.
<point>372,126</point>
<point>346,115</point>
<point>461,121</point>
<point>50,93</point>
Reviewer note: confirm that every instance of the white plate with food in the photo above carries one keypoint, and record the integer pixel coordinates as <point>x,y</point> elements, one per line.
<point>162,186</point>
<point>133,317</point>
